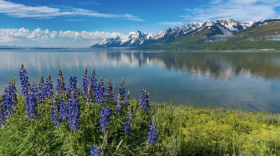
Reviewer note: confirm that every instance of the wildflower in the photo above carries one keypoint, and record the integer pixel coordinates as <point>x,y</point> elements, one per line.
<point>41,94</point>
<point>126,100</point>
<point>119,105</point>
<point>2,117</point>
<point>88,95</point>
<point>72,86</point>
<point>31,104</point>
<point>63,111</point>
<point>93,83</point>
<point>96,151</point>
<point>60,83</point>
<point>85,82</point>
<point>55,110</point>
<point>7,110</point>
<point>110,95</point>
<point>48,88</point>
<point>12,93</point>
<point>122,89</point>
<point>99,93</point>
<point>171,108</point>
<point>104,119</point>
<point>74,111</point>
<point>152,137</point>
<point>145,101</point>
<point>23,80</point>
<point>128,123</point>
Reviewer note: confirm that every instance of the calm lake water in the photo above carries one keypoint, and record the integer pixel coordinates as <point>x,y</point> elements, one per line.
<point>240,80</point>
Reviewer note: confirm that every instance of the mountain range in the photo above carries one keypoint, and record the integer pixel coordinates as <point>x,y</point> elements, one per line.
<point>211,35</point>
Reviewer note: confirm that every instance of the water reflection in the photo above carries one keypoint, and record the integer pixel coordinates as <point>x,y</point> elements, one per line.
<point>247,81</point>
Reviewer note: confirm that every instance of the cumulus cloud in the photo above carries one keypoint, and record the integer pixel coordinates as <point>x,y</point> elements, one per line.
<point>170,23</point>
<point>62,37</point>
<point>24,11</point>
<point>242,10</point>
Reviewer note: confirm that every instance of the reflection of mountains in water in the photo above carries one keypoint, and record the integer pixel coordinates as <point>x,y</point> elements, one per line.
<point>222,65</point>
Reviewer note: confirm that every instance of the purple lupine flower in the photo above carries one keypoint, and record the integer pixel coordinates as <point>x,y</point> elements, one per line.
<point>110,95</point>
<point>12,94</point>
<point>93,84</point>
<point>171,108</point>
<point>119,105</point>
<point>88,95</point>
<point>24,80</point>
<point>31,105</point>
<point>99,93</point>
<point>126,100</point>
<point>104,119</point>
<point>128,123</point>
<point>34,89</point>
<point>2,117</point>
<point>122,89</point>
<point>74,111</point>
<point>8,110</point>
<point>55,110</point>
<point>63,111</point>
<point>152,137</point>
<point>85,83</point>
<point>48,88</point>
<point>41,93</point>
<point>60,83</point>
<point>145,101</point>
<point>95,151</point>
<point>72,85</point>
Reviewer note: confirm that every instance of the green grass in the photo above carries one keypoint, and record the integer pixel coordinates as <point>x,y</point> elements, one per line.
<point>185,131</point>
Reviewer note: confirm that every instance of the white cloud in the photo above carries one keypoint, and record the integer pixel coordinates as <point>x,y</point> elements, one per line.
<point>171,23</point>
<point>23,11</point>
<point>241,10</point>
<point>32,37</point>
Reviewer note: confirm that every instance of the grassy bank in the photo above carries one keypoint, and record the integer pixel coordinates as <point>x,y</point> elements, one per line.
<point>182,130</point>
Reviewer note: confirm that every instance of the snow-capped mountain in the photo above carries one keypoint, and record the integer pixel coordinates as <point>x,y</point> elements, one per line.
<point>208,29</point>
<point>134,39</point>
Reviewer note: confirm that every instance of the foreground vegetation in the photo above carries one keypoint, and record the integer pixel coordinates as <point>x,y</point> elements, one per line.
<point>110,126</point>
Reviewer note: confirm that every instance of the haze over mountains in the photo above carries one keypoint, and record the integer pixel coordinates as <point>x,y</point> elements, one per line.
<point>212,34</point>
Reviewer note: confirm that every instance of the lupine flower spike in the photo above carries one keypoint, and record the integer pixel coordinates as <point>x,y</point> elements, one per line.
<point>48,88</point>
<point>34,89</point>
<point>2,116</point>
<point>73,106</point>
<point>95,151</point>
<point>85,83</point>
<point>60,83</point>
<point>55,110</point>
<point>41,94</point>
<point>145,101</point>
<point>12,94</point>
<point>99,93</point>
<point>128,123</point>
<point>110,90</point>
<point>6,103</point>
<point>104,119</point>
<point>122,89</point>
<point>152,137</point>
<point>23,80</point>
<point>63,111</point>
<point>88,95</point>
<point>119,105</point>
<point>31,105</point>
<point>93,84</point>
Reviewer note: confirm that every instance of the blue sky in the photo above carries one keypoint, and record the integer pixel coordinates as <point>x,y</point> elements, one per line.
<point>72,23</point>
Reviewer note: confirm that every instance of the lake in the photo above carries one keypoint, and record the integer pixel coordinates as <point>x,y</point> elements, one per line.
<point>248,80</point>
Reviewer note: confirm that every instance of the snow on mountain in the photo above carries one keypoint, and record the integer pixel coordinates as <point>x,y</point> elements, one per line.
<point>214,27</point>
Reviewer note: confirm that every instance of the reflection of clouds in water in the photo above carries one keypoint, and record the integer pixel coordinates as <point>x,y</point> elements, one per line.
<point>201,65</point>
